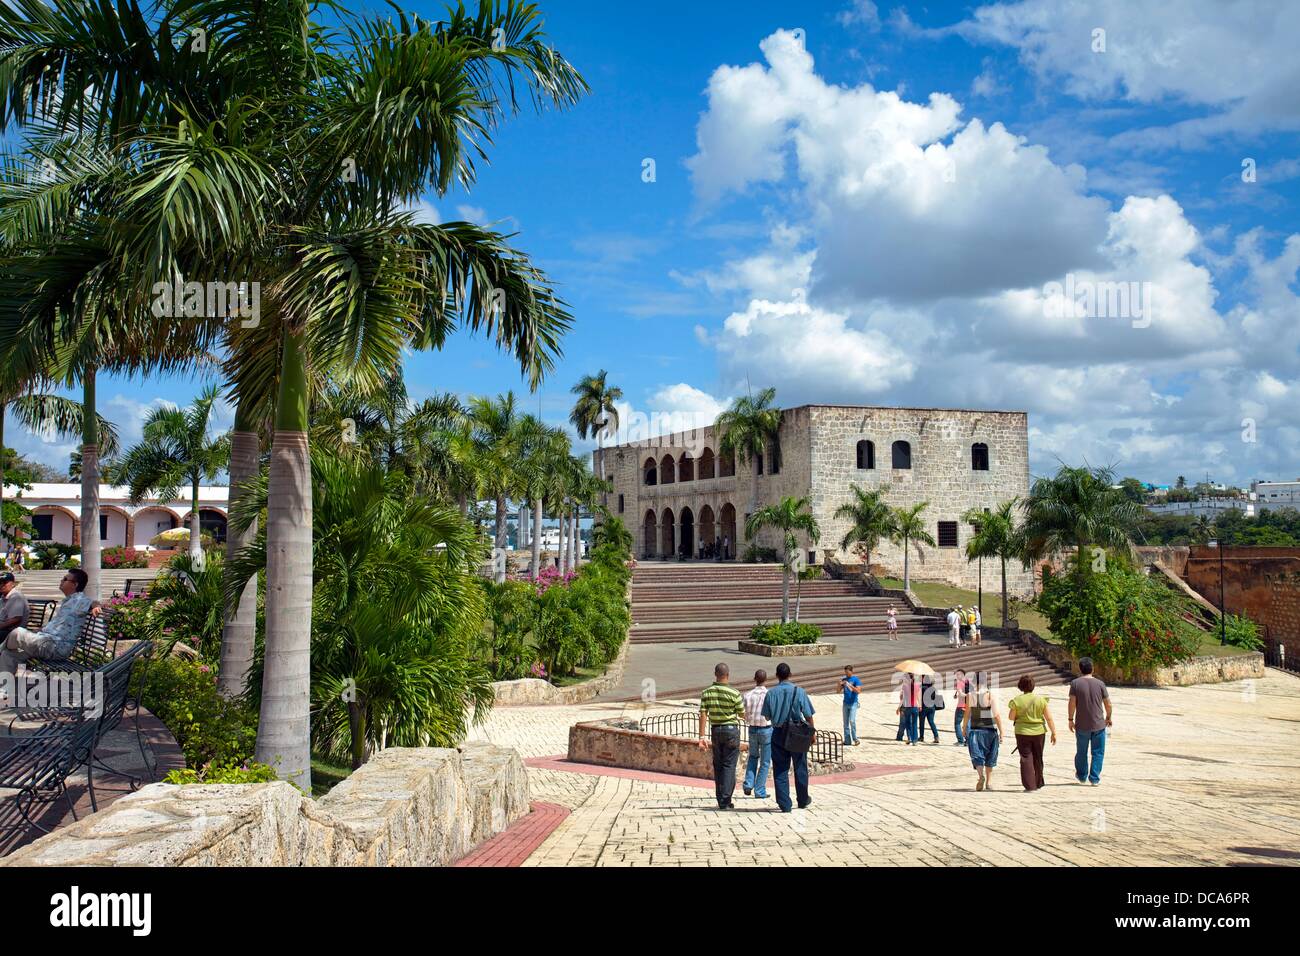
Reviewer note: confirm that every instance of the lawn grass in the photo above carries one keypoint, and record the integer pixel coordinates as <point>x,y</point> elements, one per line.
<point>935,594</point>
<point>584,674</point>
<point>325,775</point>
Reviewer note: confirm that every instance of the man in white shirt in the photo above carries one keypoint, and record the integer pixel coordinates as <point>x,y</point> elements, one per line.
<point>760,738</point>
<point>954,628</point>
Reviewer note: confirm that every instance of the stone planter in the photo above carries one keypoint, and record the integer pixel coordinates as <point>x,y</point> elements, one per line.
<point>786,650</point>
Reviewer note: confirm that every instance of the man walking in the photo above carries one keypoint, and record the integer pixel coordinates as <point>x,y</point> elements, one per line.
<point>760,738</point>
<point>1089,715</point>
<point>954,628</point>
<point>851,686</point>
<point>722,707</point>
<point>13,606</point>
<point>788,702</point>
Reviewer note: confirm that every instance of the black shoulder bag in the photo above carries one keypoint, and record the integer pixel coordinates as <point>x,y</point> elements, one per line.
<point>798,734</point>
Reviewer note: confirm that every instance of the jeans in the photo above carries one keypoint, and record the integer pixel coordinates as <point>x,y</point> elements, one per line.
<point>1082,740</point>
<point>726,750</point>
<point>960,714</point>
<point>781,760</point>
<point>851,721</point>
<point>926,713</point>
<point>760,758</point>
<point>982,742</point>
<point>907,721</point>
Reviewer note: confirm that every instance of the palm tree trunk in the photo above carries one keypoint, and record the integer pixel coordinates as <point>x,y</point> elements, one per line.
<point>357,730</point>
<point>535,566</point>
<point>238,630</point>
<point>559,554</point>
<point>284,726</point>
<point>575,541</point>
<point>462,502</point>
<point>499,558</point>
<point>90,485</point>
<point>196,529</point>
<point>907,570</point>
<point>1004,594</point>
<point>785,591</point>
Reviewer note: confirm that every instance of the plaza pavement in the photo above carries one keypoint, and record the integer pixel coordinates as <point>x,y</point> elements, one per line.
<point>1206,775</point>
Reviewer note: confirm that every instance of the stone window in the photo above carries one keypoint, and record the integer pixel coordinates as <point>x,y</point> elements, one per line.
<point>866,454</point>
<point>774,457</point>
<point>686,467</point>
<point>947,534</point>
<point>979,456</point>
<point>726,465</point>
<point>667,470</point>
<point>706,469</point>
<point>620,504</point>
<point>758,463</point>
<point>103,527</point>
<point>901,453</point>
<point>651,472</point>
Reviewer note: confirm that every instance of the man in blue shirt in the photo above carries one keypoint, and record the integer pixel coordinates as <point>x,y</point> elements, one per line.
<point>851,686</point>
<point>785,702</point>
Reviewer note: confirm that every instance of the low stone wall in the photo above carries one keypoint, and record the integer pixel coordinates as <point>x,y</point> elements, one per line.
<point>532,691</point>
<point>786,650</point>
<point>620,743</point>
<point>406,807</point>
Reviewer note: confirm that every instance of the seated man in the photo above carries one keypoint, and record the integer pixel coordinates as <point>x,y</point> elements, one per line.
<point>57,638</point>
<point>13,606</point>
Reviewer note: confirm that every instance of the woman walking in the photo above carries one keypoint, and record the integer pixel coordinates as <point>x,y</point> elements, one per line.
<point>960,688</point>
<point>929,703</point>
<point>891,623</point>
<point>909,707</point>
<point>983,727</point>
<point>1032,721</point>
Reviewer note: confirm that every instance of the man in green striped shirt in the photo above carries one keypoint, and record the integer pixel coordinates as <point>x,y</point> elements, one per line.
<point>723,708</point>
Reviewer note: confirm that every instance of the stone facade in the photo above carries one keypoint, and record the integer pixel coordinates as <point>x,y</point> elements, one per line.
<point>693,500</point>
<point>1262,584</point>
<point>405,807</point>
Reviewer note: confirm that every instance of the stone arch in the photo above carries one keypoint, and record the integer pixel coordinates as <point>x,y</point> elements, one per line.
<point>686,467</point>
<point>727,528</point>
<point>979,456</point>
<point>667,534</point>
<point>650,472</point>
<point>687,546</point>
<point>149,522</point>
<point>727,465</point>
<point>866,455</point>
<point>112,539</point>
<point>900,454</point>
<point>667,470</point>
<point>649,538</point>
<point>212,521</point>
<point>707,532</point>
<point>708,464</point>
<point>57,529</point>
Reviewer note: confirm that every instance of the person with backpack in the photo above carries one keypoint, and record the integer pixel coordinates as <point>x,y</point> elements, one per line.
<point>983,727</point>
<point>790,712</point>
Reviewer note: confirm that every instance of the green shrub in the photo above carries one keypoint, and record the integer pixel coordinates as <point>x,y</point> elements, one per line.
<point>783,635</point>
<point>1119,617</point>
<point>756,555</point>
<point>210,729</point>
<point>512,617</point>
<point>248,773</point>
<point>1242,632</point>
<point>130,618</point>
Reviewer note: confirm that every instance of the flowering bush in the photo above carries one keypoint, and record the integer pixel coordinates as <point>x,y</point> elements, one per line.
<point>130,618</point>
<point>119,557</point>
<point>1119,617</point>
<point>210,729</point>
<point>549,577</point>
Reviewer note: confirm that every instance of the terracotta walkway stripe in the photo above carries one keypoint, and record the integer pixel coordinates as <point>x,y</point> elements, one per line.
<point>561,762</point>
<point>516,843</point>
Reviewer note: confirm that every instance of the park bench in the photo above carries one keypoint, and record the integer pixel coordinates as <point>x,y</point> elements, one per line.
<point>38,610</point>
<point>38,766</point>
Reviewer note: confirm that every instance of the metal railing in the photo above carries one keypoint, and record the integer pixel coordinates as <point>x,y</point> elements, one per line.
<point>827,747</point>
<point>1275,655</point>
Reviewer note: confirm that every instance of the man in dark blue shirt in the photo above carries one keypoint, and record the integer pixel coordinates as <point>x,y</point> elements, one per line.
<point>785,702</point>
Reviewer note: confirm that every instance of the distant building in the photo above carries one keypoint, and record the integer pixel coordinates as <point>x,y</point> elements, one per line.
<point>1209,507</point>
<point>1276,494</point>
<point>56,514</point>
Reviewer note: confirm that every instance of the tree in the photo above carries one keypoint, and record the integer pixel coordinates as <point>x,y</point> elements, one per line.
<point>909,530</point>
<point>870,521</point>
<point>595,412</point>
<point>1181,483</point>
<point>1202,529</point>
<point>996,536</point>
<point>746,428</point>
<point>788,516</point>
<point>1134,490</point>
<point>1077,508</point>
<point>177,450</point>
<point>500,434</point>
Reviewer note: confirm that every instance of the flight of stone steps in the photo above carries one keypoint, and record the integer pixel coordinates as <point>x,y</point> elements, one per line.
<point>714,603</point>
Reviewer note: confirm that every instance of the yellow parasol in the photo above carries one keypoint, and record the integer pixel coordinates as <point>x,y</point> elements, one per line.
<point>914,667</point>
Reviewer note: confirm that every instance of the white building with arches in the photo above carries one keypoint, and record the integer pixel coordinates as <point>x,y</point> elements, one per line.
<point>679,496</point>
<point>56,513</point>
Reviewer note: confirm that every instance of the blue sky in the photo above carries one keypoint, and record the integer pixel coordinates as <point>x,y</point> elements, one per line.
<point>860,202</point>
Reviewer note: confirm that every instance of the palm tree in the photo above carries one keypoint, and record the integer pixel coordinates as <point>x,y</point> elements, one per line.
<point>544,449</point>
<point>500,433</point>
<point>909,531</point>
<point>1202,529</point>
<point>746,428</point>
<point>996,535</point>
<point>595,412</point>
<point>871,520</point>
<point>263,122</point>
<point>787,516</point>
<point>1077,508</point>
<point>178,449</point>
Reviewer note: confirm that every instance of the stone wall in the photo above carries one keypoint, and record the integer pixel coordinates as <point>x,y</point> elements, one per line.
<point>819,460</point>
<point>405,807</point>
<point>1262,584</point>
<point>619,743</point>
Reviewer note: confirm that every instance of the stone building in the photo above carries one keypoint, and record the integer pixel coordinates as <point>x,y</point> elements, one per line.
<point>675,492</point>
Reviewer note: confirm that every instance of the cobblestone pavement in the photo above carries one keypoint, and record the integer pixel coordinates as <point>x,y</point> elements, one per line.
<point>1205,775</point>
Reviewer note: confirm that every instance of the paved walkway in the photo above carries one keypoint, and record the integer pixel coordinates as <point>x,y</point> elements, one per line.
<point>1194,776</point>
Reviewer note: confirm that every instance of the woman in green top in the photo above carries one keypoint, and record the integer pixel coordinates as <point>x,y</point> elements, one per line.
<point>1032,722</point>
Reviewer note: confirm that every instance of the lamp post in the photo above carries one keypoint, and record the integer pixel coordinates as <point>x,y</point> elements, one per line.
<point>1223,609</point>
